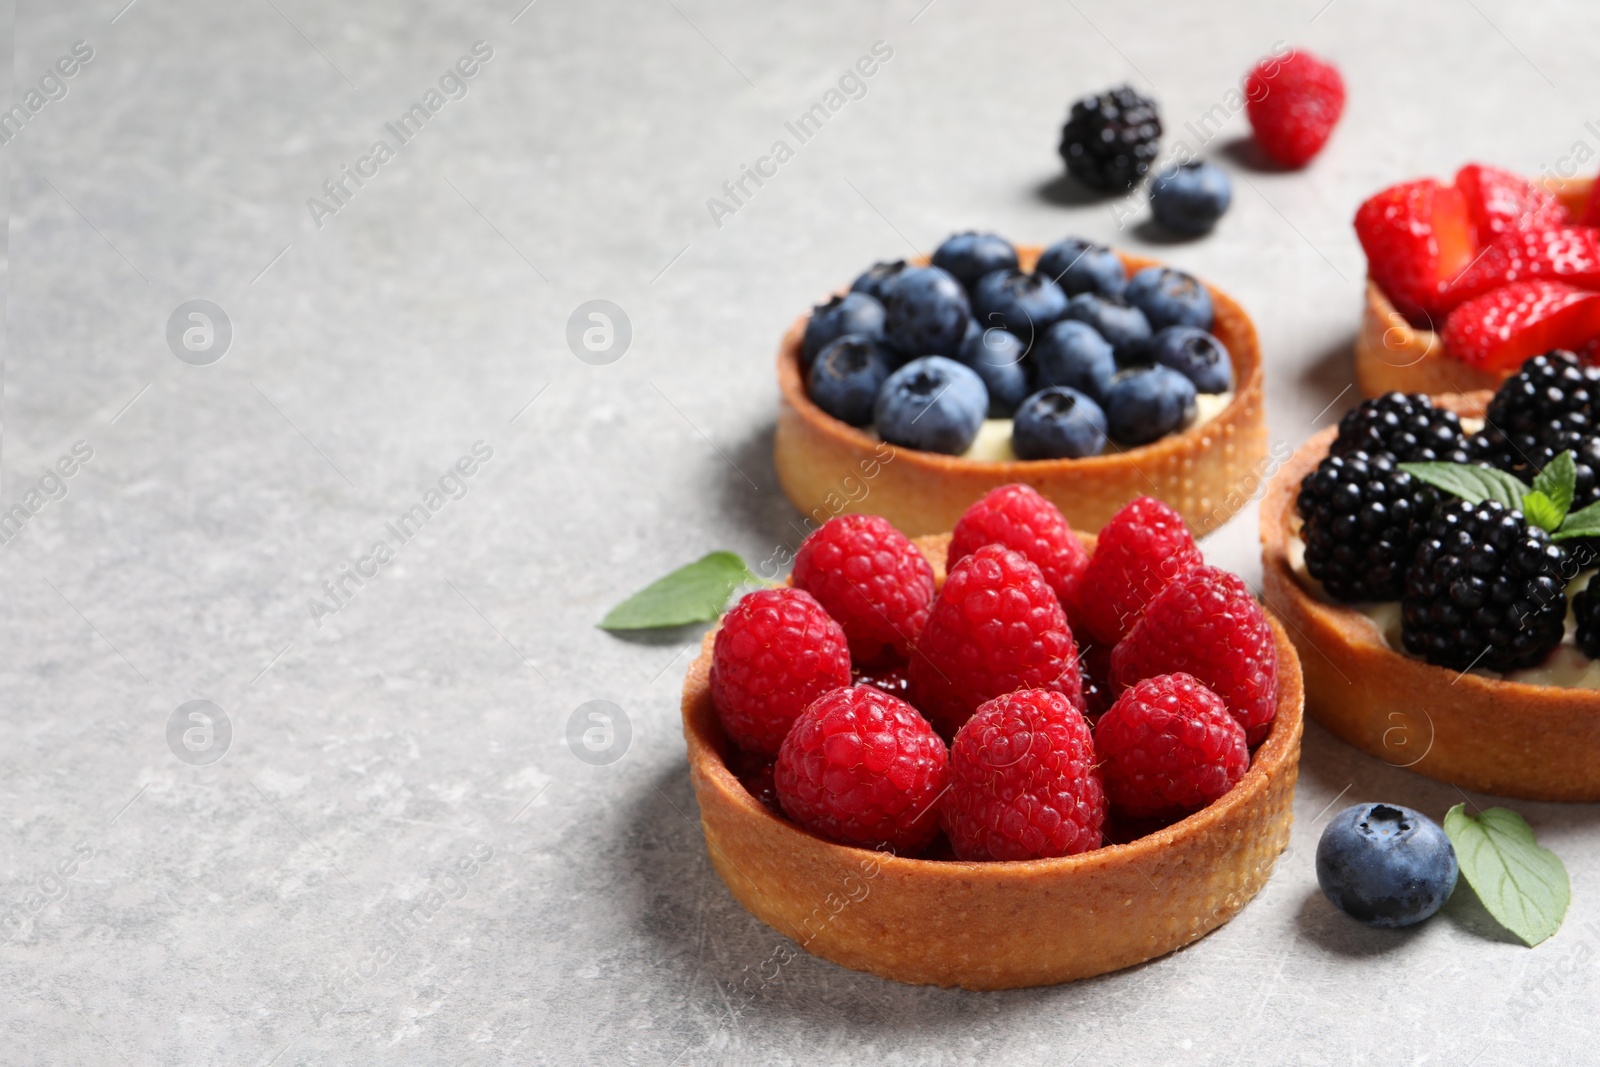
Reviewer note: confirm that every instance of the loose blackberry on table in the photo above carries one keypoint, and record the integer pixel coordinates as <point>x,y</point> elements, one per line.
<point>1361,520</point>
<point>1110,140</point>
<point>1485,589</point>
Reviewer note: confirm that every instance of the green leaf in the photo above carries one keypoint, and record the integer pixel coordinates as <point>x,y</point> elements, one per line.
<point>1585,522</point>
<point>1541,510</point>
<point>1523,886</point>
<point>693,593</point>
<point>1557,481</point>
<point>1472,484</point>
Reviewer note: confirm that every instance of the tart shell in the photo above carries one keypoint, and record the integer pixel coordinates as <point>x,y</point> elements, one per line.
<point>997,925</point>
<point>1206,473</point>
<point>1509,738</point>
<point>1391,354</point>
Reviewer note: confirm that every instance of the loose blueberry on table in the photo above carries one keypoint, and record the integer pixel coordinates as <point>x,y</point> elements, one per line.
<point>876,711</point>
<point>1066,362</point>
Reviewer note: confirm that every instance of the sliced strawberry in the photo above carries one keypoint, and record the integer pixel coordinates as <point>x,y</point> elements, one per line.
<point>1569,254</point>
<point>1418,237</point>
<point>1502,202</point>
<point>1591,206</point>
<point>1504,326</point>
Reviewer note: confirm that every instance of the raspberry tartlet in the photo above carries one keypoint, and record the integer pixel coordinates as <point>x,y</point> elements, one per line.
<point>1452,637</point>
<point>1073,825</point>
<point>1492,241</point>
<point>1096,436</point>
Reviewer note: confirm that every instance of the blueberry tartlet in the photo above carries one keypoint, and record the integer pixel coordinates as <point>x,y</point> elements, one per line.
<point>1092,375</point>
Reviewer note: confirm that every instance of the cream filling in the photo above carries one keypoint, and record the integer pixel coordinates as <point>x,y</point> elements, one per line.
<point>993,443</point>
<point>1566,668</point>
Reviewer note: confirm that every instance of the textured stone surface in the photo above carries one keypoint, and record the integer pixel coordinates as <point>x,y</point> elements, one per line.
<point>251,911</point>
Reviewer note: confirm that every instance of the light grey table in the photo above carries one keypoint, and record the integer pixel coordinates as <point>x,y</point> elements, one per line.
<point>404,746</point>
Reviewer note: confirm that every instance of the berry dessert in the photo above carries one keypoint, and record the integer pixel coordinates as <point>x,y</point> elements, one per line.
<point>1092,375</point>
<point>1432,558</point>
<point>1467,280</point>
<point>916,760</point>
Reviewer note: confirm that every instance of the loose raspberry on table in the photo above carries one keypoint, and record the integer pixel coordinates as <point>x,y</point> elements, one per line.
<point>776,652</point>
<point>1020,518</point>
<point>871,579</point>
<point>1169,746</point>
<point>1207,624</point>
<point>1143,547</point>
<point>1023,783</point>
<point>995,627</point>
<point>861,767</point>
<point>1294,104</point>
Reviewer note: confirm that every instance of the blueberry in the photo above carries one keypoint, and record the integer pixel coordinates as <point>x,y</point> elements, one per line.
<point>1170,298</point>
<point>1191,197</point>
<point>1196,355</point>
<point>997,357</point>
<point>846,376</point>
<point>855,313</point>
<point>1385,865</point>
<point>1124,326</point>
<point>969,256</point>
<point>932,403</point>
<point>873,279</point>
<point>1058,423</point>
<point>1072,353</point>
<point>1080,266</point>
<point>1145,405</point>
<point>926,312</point>
<point>1025,304</point>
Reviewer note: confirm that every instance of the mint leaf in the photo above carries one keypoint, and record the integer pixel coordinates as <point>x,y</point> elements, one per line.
<point>1472,484</point>
<point>1557,481</point>
<point>693,593</point>
<point>1540,510</point>
<point>1585,522</point>
<point>1523,886</point>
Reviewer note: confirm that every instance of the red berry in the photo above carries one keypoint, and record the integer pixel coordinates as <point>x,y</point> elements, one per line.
<point>1591,206</point>
<point>1418,236</point>
<point>1143,547</point>
<point>1293,104</point>
<point>776,652</point>
<point>1208,625</point>
<point>863,768</point>
<point>871,579</point>
<point>1501,202</point>
<point>1023,783</point>
<point>1168,746</point>
<point>995,627</point>
<point>1568,254</point>
<point>1505,326</point>
<point>1018,517</point>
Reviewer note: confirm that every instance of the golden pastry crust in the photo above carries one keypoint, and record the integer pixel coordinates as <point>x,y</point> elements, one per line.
<point>997,925</point>
<point>1508,738</point>
<point>1206,473</point>
<point>1391,354</point>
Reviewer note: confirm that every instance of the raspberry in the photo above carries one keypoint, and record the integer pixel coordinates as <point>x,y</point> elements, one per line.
<point>871,579</point>
<point>1018,517</point>
<point>863,768</point>
<point>1207,624</point>
<point>1143,547</point>
<point>1484,590</point>
<point>1168,746</point>
<point>1293,104</point>
<point>995,627</point>
<point>777,651</point>
<point>1023,783</point>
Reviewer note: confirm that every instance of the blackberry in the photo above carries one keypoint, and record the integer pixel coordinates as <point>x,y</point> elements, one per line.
<point>1111,139</point>
<point>1548,407</point>
<point>1405,425</point>
<point>1485,589</point>
<point>1362,517</point>
<point>1586,609</point>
